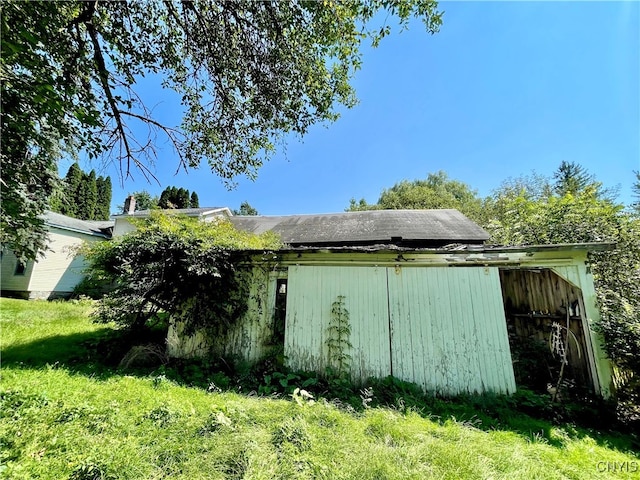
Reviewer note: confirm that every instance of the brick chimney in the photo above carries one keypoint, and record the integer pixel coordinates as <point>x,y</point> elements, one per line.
<point>130,205</point>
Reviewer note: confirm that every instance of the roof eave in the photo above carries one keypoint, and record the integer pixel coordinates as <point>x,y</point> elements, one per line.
<point>77,230</point>
<point>448,249</point>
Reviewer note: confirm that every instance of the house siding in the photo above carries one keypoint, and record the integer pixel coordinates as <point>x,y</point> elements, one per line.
<point>251,338</point>
<point>122,227</point>
<point>436,319</point>
<point>601,367</point>
<point>449,330</point>
<point>312,291</point>
<point>60,270</point>
<point>9,281</point>
<point>55,274</point>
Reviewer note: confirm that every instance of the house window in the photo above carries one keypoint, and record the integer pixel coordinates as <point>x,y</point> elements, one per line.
<point>21,267</point>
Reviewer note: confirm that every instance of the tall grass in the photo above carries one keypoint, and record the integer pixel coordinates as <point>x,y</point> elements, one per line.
<point>58,420</point>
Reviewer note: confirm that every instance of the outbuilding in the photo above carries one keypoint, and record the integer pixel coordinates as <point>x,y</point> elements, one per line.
<point>415,294</point>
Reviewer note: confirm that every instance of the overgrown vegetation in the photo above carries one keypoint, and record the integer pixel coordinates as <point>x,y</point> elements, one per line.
<point>66,415</point>
<point>570,206</point>
<point>176,266</point>
<point>528,212</point>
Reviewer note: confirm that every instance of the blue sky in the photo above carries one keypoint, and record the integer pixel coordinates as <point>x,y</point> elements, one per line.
<point>505,88</point>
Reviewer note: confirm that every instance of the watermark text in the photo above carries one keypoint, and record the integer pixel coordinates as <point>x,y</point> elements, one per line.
<point>621,467</point>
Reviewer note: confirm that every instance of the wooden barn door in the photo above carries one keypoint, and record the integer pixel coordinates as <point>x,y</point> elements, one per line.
<point>311,293</point>
<point>442,328</point>
<point>448,329</point>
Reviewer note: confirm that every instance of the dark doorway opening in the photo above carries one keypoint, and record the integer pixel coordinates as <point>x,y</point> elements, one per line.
<point>546,325</point>
<point>280,311</point>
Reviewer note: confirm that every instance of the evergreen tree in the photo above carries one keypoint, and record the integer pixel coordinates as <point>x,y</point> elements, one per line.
<point>195,201</point>
<point>82,195</point>
<point>245,209</point>
<point>173,197</point>
<point>164,198</point>
<point>87,197</point>
<point>103,208</point>
<point>571,177</point>
<point>71,185</point>
<point>181,198</point>
<point>56,200</point>
<point>108,195</point>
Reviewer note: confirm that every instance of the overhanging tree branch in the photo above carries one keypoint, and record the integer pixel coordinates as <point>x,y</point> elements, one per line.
<point>247,73</point>
<point>103,75</point>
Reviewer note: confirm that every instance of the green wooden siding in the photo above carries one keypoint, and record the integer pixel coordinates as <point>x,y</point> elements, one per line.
<point>440,327</point>
<point>311,292</point>
<point>250,339</point>
<point>448,330</point>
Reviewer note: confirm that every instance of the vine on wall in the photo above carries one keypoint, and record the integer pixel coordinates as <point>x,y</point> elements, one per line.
<point>337,342</point>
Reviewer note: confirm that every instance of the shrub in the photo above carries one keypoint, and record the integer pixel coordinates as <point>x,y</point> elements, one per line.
<point>174,265</point>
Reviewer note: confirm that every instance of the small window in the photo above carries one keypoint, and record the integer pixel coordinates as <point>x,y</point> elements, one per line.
<point>21,267</point>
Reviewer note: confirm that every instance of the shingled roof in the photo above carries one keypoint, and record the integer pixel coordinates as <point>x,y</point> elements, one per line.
<point>419,228</point>
<point>189,212</point>
<point>90,227</point>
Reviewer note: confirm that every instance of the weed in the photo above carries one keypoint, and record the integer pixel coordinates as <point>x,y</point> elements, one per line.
<point>338,333</point>
<point>71,414</point>
<point>293,431</point>
<point>161,416</point>
<point>149,355</point>
<point>277,382</point>
<point>158,381</point>
<point>366,395</point>
<point>218,381</point>
<point>15,402</point>
<point>90,471</point>
<point>215,422</point>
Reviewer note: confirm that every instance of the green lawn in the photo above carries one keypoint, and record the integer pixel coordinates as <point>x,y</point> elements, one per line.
<point>65,415</point>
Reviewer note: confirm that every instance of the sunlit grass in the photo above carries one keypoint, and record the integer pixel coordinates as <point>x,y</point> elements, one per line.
<point>59,422</point>
<point>40,331</point>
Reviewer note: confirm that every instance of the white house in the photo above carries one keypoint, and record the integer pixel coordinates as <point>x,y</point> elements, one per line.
<point>57,272</point>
